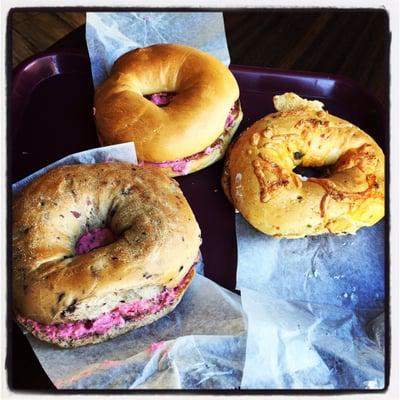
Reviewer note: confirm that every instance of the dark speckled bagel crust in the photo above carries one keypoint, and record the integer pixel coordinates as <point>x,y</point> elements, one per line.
<point>157,242</point>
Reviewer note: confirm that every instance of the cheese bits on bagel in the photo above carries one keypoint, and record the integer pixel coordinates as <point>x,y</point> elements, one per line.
<point>98,250</point>
<point>179,105</point>
<point>261,181</point>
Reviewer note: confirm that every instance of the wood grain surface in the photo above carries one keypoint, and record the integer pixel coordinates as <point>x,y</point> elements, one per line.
<point>350,43</point>
<point>35,31</point>
<point>353,43</point>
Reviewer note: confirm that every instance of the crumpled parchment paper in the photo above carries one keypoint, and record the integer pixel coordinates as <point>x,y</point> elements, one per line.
<point>310,304</point>
<point>200,345</point>
<point>111,34</point>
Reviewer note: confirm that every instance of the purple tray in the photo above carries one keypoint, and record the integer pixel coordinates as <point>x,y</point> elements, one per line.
<point>52,116</point>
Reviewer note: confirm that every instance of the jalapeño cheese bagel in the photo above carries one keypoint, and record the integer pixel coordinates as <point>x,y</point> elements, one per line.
<point>179,105</point>
<point>100,249</point>
<point>261,181</point>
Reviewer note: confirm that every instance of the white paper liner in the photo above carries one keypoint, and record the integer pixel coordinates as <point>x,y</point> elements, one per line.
<point>124,152</point>
<point>308,302</point>
<point>111,34</point>
<point>200,345</point>
<point>205,335</point>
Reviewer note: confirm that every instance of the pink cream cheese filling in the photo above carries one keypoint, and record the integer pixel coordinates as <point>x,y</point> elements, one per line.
<point>117,317</point>
<point>182,166</point>
<point>160,99</point>
<point>94,238</point>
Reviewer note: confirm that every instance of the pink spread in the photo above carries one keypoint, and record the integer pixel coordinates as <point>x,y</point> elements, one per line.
<point>117,317</point>
<point>92,239</point>
<point>231,116</point>
<point>160,99</point>
<point>182,166</point>
<point>156,345</point>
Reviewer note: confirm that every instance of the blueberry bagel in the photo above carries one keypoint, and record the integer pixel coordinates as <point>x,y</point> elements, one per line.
<point>100,249</point>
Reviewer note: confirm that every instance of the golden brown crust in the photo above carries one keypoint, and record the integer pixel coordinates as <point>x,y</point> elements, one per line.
<point>158,237</point>
<point>206,91</point>
<point>259,179</point>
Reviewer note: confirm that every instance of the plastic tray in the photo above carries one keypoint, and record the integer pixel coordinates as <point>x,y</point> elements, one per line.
<point>51,116</point>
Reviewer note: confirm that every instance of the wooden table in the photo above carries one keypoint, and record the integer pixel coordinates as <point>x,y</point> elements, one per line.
<point>351,43</point>
<point>354,44</point>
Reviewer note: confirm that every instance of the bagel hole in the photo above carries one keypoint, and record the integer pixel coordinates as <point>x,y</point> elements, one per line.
<point>160,99</point>
<point>312,172</point>
<point>93,239</point>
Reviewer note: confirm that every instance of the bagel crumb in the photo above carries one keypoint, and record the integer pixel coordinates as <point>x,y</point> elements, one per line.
<point>255,139</point>
<point>267,132</point>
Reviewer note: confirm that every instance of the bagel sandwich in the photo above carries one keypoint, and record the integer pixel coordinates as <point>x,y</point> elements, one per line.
<point>99,250</point>
<point>179,105</point>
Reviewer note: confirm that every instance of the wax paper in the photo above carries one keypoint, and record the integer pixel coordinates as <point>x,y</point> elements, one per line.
<point>124,152</point>
<point>111,34</point>
<point>314,308</point>
<point>200,345</point>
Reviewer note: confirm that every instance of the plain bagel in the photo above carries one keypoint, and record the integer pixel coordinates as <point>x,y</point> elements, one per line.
<point>198,114</point>
<point>98,250</point>
<point>260,181</point>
